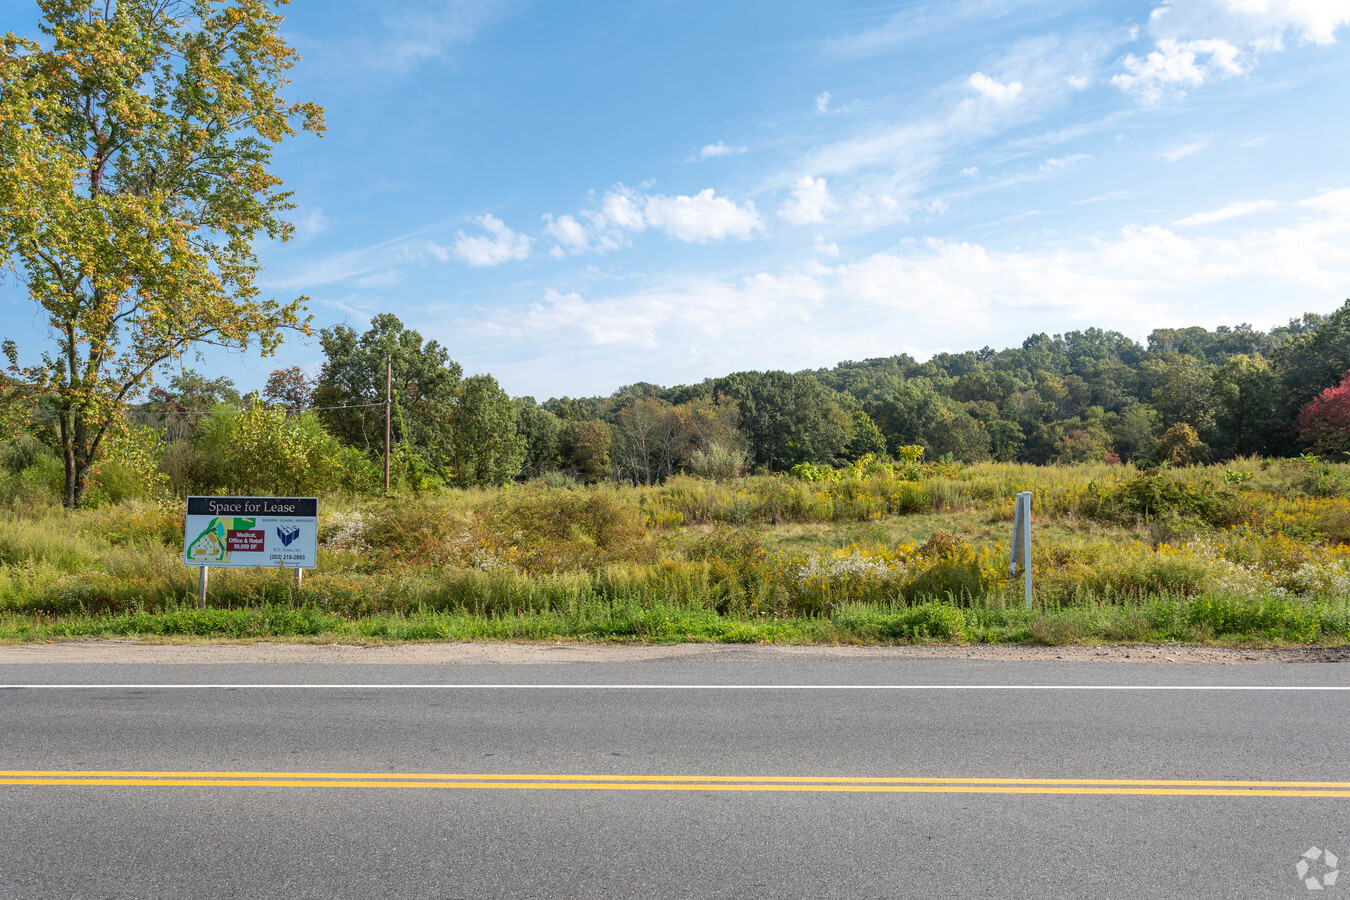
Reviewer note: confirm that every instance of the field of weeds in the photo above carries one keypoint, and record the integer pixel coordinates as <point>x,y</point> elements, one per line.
<point>1254,552</point>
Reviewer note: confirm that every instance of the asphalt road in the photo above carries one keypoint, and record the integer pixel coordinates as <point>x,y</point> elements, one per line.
<point>741,776</point>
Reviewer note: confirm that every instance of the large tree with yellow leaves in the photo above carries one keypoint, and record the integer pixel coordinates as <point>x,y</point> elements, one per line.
<point>135,144</point>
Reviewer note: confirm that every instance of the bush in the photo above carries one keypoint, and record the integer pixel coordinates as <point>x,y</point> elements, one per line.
<point>935,621</point>
<point>23,452</point>
<point>1152,495</point>
<point>718,463</point>
<point>556,531</point>
<point>1274,618</point>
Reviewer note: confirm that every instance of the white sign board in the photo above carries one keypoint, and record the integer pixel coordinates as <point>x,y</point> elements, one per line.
<point>272,532</point>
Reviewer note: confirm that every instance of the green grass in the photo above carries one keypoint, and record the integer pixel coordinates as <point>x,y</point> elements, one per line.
<point>1159,619</point>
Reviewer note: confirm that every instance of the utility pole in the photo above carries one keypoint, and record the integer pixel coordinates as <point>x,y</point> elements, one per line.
<point>388,412</point>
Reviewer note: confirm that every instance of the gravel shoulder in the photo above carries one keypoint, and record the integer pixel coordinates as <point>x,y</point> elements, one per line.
<point>105,652</point>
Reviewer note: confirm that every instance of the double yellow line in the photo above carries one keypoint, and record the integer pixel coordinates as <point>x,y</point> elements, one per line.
<point>769,783</point>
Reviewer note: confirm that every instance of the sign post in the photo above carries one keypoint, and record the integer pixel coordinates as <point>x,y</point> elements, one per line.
<point>250,532</point>
<point>1021,543</point>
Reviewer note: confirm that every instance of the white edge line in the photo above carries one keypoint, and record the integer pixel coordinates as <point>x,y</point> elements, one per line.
<point>682,687</point>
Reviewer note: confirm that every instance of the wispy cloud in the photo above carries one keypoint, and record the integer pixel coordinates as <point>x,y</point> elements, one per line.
<point>411,34</point>
<point>916,23</point>
<point>1181,151</point>
<point>1231,211</point>
<point>1062,162</point>
<point>710,151</point>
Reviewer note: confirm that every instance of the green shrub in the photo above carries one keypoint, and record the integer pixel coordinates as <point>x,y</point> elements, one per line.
<point>958,579</point>
<point>556,531</point>
<point>1271,617</point>
<point>929,621</point>
<point>23,452</point>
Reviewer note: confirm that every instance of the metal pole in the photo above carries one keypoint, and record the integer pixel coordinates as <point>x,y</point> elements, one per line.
<point>388,407</point>
<point>1026,545</point>
<point>201,589</point>
<point>299,577</point>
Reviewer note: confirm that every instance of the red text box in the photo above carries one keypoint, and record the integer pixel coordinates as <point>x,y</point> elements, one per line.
<point>245,541</point>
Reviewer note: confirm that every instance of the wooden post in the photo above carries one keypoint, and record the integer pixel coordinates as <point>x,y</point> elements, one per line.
<point>201,588</point>
<point>388,409</point>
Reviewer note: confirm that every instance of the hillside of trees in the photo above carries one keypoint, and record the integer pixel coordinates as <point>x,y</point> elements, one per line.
<point>1190,395</point>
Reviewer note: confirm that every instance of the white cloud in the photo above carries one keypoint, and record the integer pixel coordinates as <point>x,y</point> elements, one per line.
<point>701,218</point>
<point>810,202</point>
<point>994,90</point>
<point>622,208</point>
<point>1202,40</point>
<point>1262,25</point>
<point>823,102</point>
<point>500,245</point>
<point>1175,66</point>
<point>830,249</point>
<point>906,299</point>
<point>719,149</point>
<point>698,219</point>
<point>1231,211</point>
<point>567,231</point>
<point>971,171</point>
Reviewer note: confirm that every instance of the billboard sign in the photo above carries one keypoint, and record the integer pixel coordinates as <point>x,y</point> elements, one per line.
<point>272,532</point>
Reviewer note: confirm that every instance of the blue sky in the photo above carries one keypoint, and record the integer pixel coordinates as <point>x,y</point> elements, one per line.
<point>577,196</point>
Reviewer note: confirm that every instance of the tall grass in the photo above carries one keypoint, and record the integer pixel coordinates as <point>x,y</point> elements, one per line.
<point>1252,548</point>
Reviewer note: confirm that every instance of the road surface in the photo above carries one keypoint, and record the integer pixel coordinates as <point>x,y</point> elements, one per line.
<point>754,773</point>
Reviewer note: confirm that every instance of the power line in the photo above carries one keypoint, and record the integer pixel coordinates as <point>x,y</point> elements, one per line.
<point>235,412</point>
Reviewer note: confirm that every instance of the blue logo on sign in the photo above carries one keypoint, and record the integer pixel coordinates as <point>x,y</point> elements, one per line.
<point>287,533</point>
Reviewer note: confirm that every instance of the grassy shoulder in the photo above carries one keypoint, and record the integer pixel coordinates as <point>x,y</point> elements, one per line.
<point>1269,623</point>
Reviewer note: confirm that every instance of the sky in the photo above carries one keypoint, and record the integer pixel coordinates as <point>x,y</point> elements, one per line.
<point>574,197</point>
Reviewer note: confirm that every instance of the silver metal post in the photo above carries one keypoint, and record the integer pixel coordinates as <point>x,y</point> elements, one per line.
<point>201,588</point>
<point>1025,499</point>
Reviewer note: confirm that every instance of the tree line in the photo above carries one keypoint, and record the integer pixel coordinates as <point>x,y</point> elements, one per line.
<point>1189,395</point>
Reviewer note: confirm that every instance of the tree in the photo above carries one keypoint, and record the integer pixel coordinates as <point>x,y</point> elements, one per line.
<point>786,418</point>
<point>1325,422</point>
<point>134,150</point>
<point>540,429</point>
<point>288,388</point>
<point>351,384</point>
<point>1179,389</point>
<point>179,409</point>
<point>476,442</point>
<point>584,449</point>
<point>1245,395</point>
<point>1315,358</point>
<point>1181,446</point>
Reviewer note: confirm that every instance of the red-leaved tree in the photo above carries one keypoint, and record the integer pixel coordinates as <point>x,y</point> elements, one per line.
<point>1324,424</point>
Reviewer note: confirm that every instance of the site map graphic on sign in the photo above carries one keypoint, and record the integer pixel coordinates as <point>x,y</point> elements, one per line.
<point>222,536</point>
